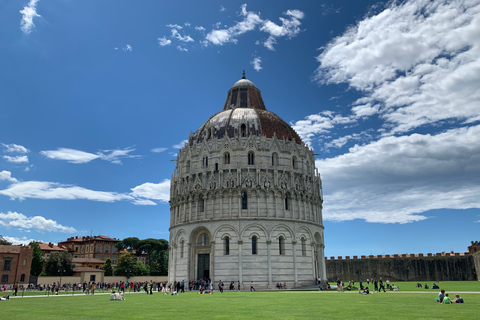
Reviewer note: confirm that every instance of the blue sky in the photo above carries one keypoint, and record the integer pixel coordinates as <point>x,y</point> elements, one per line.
<point>96,98</point>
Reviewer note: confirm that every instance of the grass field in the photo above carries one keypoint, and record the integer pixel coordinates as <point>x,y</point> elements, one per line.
<point>247,305</point>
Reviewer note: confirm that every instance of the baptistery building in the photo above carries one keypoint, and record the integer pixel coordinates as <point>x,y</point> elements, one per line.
<point>246,200</point>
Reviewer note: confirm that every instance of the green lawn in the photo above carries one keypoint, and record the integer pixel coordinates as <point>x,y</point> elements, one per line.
<point>247,305</point>
<point>412,285</point>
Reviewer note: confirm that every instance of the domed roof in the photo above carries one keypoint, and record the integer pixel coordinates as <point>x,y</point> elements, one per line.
<point>244,114</point>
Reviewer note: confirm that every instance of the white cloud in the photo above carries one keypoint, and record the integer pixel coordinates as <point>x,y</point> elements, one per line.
<point>16,159</point>
<point>180,48</point>
<point>17,241</point>
<point>77,156</point>
<point>289,28</point>
<point>340,142</point>
<point>115,155</point>
<point>174,26</point>
<point>187,24</point>
<point>256,63</point>
<point>320,123</point>
<point>127,48</point>
<point>164,41</point>
<point>52,190</point>
<point>417,63</point>
<point>7,175</point>
<point>15,148</point>
<point>222,8</point>
<point>200,28</point>
<point>396,179</point>
<point>156,191</point>
<point>180,145</point>
<point>249,22</point>
<point>178,36</point>
<point>19,221</point>
<point>70,155</point>
<point>28,13</point>
<point>158,150</point>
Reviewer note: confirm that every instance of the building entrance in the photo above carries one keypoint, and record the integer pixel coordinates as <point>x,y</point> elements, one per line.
<point>203,266</point>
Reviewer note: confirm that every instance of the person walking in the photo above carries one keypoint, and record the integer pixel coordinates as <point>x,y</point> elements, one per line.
<point>251,287</point>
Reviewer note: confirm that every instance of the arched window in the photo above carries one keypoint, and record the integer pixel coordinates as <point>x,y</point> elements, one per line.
<point>294,162</point>
<point>274,159</point>
<point>227,246</point>
<point>205,162</point>
<point>251,158</point>
<point>201,204</point>
<point>304,247</point>
<point>25,261</point>
<point>254,245</point>
<point>287,202</point>
<point>281,245</point>
<point>22,278</point>
<point>182,247</point>
<point>243,130</point>
<point>203,240</point>
<point>226,158</point>
<point>187,167</point>
<point>244,200</point>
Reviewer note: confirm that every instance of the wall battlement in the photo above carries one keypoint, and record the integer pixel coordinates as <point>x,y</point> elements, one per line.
<point>404,255</point>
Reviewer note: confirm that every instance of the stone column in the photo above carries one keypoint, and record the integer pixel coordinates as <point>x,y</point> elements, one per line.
<point>240,271</point>
<point>294,242</point>
<point>212,260</point>
<point>269,252</point>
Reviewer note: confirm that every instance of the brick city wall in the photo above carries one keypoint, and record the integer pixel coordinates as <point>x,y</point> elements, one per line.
<point>406,267</point>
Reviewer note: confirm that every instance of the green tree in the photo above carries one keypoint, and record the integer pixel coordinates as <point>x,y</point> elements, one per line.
<point>126,265</point>
<point>59,263</point>
<point>141,269</point>
<point>4,242</point>
<point>37,259</point>
<point>107,267</point>
<point>128,243</point>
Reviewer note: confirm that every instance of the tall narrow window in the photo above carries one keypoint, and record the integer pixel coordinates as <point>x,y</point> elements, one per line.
<point>226,158</point>
<point>227,246</point>
<point>243,130</point>
<point>287,204</point>
<point>187,167</point>
<point>274,159</point>
<point>22,278</point>
<point>251,158</point>
<point>7,264</point>
<point>244,200</point>
<point>203,240</point>
<point>304,247</point>
<point>294,163</point>
<point>281,245</point>
<point>254,245</point>
<point>182,247</point>
<point>201,204</point>
<point>205,162</point>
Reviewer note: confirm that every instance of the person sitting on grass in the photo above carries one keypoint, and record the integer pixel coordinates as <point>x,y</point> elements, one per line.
<point>447,299</point>
<point>112,295</point>
<point>440,297</point>
<point>419,285</point>
<point>426,286</point>
<point>435,286</point>
<point>394,287</point>
<point>365,291</point>
<point>119,296</point>
<point>5,298</point>
<point>457,299</point>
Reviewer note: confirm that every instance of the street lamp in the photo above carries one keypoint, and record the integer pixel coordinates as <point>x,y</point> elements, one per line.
<point>61,270</point>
